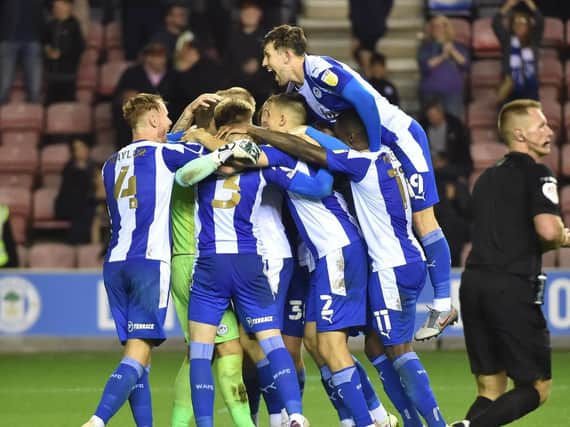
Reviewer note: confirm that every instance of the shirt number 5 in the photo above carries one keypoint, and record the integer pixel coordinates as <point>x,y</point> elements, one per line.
<point>232,185</point>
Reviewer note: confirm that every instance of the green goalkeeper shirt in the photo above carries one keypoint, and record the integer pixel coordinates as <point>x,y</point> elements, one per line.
<point>182,215</point>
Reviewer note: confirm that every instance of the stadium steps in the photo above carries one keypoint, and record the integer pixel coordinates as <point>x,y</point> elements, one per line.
<point>328,29</point>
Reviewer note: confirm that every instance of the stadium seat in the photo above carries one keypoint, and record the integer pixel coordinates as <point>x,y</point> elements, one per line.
<point>87,75</point>
<point>485,155</point>
<point>484,135</point>
<point>19,200</point>
<point>553,35</point>
<point>564,258</point>
<point>68,118</point>
<point>565,160</point>
<point>462,30</point>
<point>89,56</point>
<point>105,137</point>
<point>113,38</point>
<point>95,35</point>
<point>549,93</point>
<point>102,116</point>
<point>553,159</point>
<point>100,153</point>
<point>22,256</point>
<point>17,179</point>
<point>485,43</point>
<point>485,73</point>
<point>109,75</point>
<point>565,200</point>
<point>17,159</point>
<point>551,73</point>
<point>90,256</point>
<point>44,210</point>
<point>481,115</point>
<point>553,112</point>
<point>115,55</point>
<point>85,96</point>
<point>550,259</point>
<point>22,117</point>
<point>487,95</point>
<point>51,255</point>
<point>27,140</point>
<point>54,157</point>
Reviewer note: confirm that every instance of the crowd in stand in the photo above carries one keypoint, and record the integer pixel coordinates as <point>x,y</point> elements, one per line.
<point>68,66</point>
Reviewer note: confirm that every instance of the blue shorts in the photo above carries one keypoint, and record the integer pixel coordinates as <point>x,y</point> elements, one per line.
<point>279,272</point>
<point>294,311</point>
<point>138,293</point>
<point>412,150</point>
<point>240,277</point>
<point>337,298</point>
<point>392,295</point>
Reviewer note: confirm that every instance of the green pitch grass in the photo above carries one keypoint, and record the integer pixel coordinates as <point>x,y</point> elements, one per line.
<point>61,390</point>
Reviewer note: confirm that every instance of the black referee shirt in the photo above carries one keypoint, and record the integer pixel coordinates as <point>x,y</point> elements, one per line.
<point>506,197</point>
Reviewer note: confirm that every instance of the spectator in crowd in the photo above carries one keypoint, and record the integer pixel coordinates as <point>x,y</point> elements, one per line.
<point>243,54</point>
<point>82,12</point>
<point>63,45</point>
<point>20,42</point>
<point>139,24</point>
<point>377,79</point>
<point>152,75</point>
<point>277,12</point>
<point>175,23</point>
<point>443,63</point>
<point>8,251</point>
<point>210,21</point>
<point>449,141</point>
<point>519,44</point>
<point>368,21</point>
<point>75,201</point>
<point>194,74</point>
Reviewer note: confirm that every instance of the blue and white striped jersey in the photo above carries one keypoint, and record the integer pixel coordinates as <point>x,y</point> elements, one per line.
<point>274,243</point>
<point>331,87</point>
<point>382,205</point>
<point>324,224</point>
<point>138,181</point>
<point>226,214</point>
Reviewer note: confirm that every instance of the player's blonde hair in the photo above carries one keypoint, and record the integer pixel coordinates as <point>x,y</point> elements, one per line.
<point>233,110</point>
<point>287,37</point>
<point>511,113</point>
<point>238,92</point>
<point>294,103</point>
<point>137,106</point>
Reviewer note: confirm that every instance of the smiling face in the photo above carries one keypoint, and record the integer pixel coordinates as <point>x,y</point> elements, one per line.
<point>279,62</point>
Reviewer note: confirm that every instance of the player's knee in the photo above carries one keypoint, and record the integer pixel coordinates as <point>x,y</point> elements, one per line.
<point>372,346</point>
<point>310,343</point>
<point>543,388</point>
<point>492,386</point>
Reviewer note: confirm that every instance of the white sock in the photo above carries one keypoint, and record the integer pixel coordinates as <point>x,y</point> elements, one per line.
<point>442,304</point>
<point>96,421</point>
<point>347,423</point>
<point>379,414</point>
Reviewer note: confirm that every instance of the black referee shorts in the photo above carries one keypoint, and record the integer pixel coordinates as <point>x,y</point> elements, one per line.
<point>504,329</point>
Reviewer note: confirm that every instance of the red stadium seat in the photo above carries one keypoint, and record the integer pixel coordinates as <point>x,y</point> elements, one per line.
<point>565,158</point>
<point>14,158</point>
<point>90,256</point>
<point>22,256</point>
<point>87,75</point>
<point>550,259</point>
<point>483,135</point>
<point>549,93</point>
<point>17,179</point>
<point>109,76</point>
<point>89,56</point>
<point>51,255</point>
<point>54,157</point>
<point>462,29</point>
<point>22,117</point>
<point>482,115</point>
<point>44,210</point>
<point>102,116</point>
<point>105,137</point>
<point>66,118</point>
<point>553,159</point>
<point>20,228</point>
<point>551,73</point>
<point>19,200</point>
<point>565,200</point>
<point>100,153</point>
<point>485,155</point>
<point>85,96</point>
<point>115,55</point>
<point>553,112</point>
<point>113,37</point>
<point>486,73</point>
<point>485,43</point>
<point>95,35</point>
<point>27,140</point>
<point>564,257</point>
<point>553,35</point>
<point>487,95</point>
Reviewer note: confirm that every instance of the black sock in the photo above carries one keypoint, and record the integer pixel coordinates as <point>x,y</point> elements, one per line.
<point>478,407</point>
<point>509,407</point>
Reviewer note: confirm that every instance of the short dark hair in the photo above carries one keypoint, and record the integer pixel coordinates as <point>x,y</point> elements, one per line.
<point>378,58</point>
<point>287,37</point>
<point>350,122</point>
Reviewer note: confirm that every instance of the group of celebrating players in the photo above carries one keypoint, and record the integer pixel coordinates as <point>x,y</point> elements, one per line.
<point>204,215</point>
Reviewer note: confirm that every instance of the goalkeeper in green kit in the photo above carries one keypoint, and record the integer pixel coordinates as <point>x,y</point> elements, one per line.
<point>229,353</point>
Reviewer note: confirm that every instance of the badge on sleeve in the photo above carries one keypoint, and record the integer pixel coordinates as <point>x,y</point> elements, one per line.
<point>330,78</point>
<point>550,191</point>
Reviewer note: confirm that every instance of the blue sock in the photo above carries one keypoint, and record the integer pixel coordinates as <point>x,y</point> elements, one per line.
<point>367,388</point>
<point>284,373</point>
<point>252,387</point>
<point>140,401</point>
<point>326,379</point>
<point>118,388</point>
<point>202,383</point>
<point>347,381</point>
<point>395,391</point>
<point>416,383</point>
<point>268,388</point>
<point>301,380</point>
<point>438,262</point>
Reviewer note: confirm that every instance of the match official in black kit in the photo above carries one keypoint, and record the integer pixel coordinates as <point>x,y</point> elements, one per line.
<point>516,219</point>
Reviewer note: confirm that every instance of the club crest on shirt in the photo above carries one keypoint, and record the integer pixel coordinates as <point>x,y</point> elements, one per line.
<point>550,191</point>
<point>317,92</point>
<point>330,78</point>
